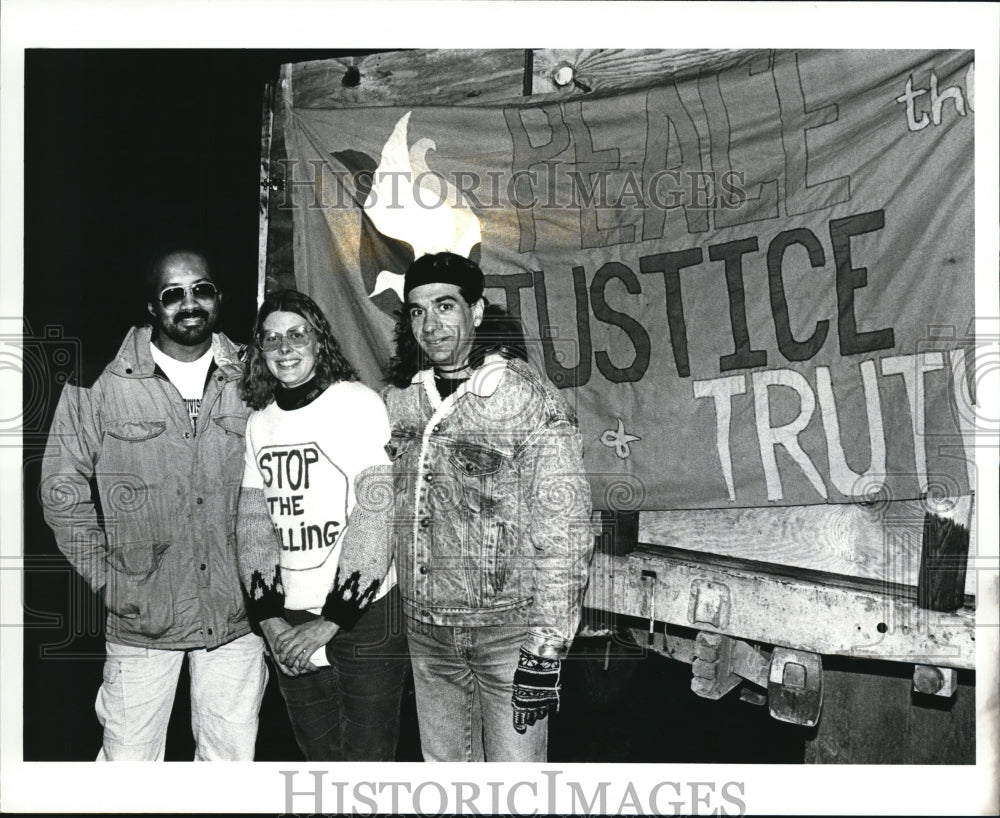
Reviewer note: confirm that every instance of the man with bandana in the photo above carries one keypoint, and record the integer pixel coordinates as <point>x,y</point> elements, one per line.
<point>490,520</point>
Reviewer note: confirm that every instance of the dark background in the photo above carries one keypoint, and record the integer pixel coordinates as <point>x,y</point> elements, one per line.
<point>128,153</point>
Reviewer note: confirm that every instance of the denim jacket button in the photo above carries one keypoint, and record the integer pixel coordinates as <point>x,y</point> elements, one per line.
<point>425,522</point>
<point>423,569</point>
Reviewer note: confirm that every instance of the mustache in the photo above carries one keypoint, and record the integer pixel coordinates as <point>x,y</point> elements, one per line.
<point>180,316</point>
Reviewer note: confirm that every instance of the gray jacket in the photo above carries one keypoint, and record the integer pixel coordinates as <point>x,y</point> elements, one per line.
<point>163,551</point>
<point>491,519</point>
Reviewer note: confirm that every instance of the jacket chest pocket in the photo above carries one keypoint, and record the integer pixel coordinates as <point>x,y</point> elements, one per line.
<point>134,431</point>
<point>476,468</point>
<point>134,447</point>
<point>235,425</point>
<point>476,461</point>
<point>230,448</point>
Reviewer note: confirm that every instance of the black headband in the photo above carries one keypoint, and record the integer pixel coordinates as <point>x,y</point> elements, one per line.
<point>445,268</point>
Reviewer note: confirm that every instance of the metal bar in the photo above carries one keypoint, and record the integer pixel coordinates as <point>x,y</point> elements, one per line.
<point>700,558</point>
<point>267,124</point>
<point>880,540</point>
<point>809,613</point>
<point>675,647</point>
<point>750,662</point>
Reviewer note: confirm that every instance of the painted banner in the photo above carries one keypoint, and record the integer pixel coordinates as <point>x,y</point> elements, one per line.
<point>755,285</point>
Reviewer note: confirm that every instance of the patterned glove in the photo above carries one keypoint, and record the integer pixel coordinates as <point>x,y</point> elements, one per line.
<point>536,689</point>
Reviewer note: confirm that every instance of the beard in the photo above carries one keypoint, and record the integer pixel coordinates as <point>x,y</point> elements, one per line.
<point>189,335</point>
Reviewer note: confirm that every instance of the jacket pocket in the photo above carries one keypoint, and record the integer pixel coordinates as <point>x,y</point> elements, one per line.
<point>135,431</point>
<point>398,449</point>
<point>476,461</point>
<point>137,560</point>
<point>474,468</point>
<point>399,444</point>
<point>232,424</point>
<point>499,559</point>
<point>237,610</point>
<point>139,587</point>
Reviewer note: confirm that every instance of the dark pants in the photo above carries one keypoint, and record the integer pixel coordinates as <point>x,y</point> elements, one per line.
<point>349,711</point>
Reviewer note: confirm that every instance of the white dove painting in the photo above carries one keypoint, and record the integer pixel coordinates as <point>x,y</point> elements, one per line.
<point>410,202</point>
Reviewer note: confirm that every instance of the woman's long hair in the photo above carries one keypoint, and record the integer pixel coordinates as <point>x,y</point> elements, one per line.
<point>258,384</point>
<point>498,332</point>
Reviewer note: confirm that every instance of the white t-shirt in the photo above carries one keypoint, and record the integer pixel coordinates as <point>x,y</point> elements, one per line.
<point>306,460</point>
<point>188,376</point>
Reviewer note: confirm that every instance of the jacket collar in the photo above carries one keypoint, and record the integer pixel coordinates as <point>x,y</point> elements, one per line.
<point>482,383</point>
<point>134,360</point>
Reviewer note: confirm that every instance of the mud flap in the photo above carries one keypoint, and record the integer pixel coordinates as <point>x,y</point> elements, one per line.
<point>795,686</point>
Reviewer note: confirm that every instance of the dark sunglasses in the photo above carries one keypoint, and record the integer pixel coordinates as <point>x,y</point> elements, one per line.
<point>204,291</point>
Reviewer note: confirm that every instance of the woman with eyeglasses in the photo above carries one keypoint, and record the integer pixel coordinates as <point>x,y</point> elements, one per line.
<point>315,436</point>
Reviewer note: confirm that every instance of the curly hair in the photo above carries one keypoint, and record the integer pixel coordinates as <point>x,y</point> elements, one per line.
<point>498,332</point>
<point>258,384</point>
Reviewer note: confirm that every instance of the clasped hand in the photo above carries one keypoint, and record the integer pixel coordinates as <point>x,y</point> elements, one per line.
<point>292,647</point>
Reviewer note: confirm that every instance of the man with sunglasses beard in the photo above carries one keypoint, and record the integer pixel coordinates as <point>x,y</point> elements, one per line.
<point>161,432</point>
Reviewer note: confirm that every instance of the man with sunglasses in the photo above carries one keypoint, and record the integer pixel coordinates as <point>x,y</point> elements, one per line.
<point>161,432</point>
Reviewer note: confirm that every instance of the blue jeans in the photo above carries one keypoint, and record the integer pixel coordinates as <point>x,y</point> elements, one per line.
<point>349,711</point>
<point>137,695</point>
<point>463,680</point>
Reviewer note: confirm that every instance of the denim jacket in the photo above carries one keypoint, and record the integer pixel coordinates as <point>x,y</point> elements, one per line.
<point>163,551</point>
<point>491,520</point>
